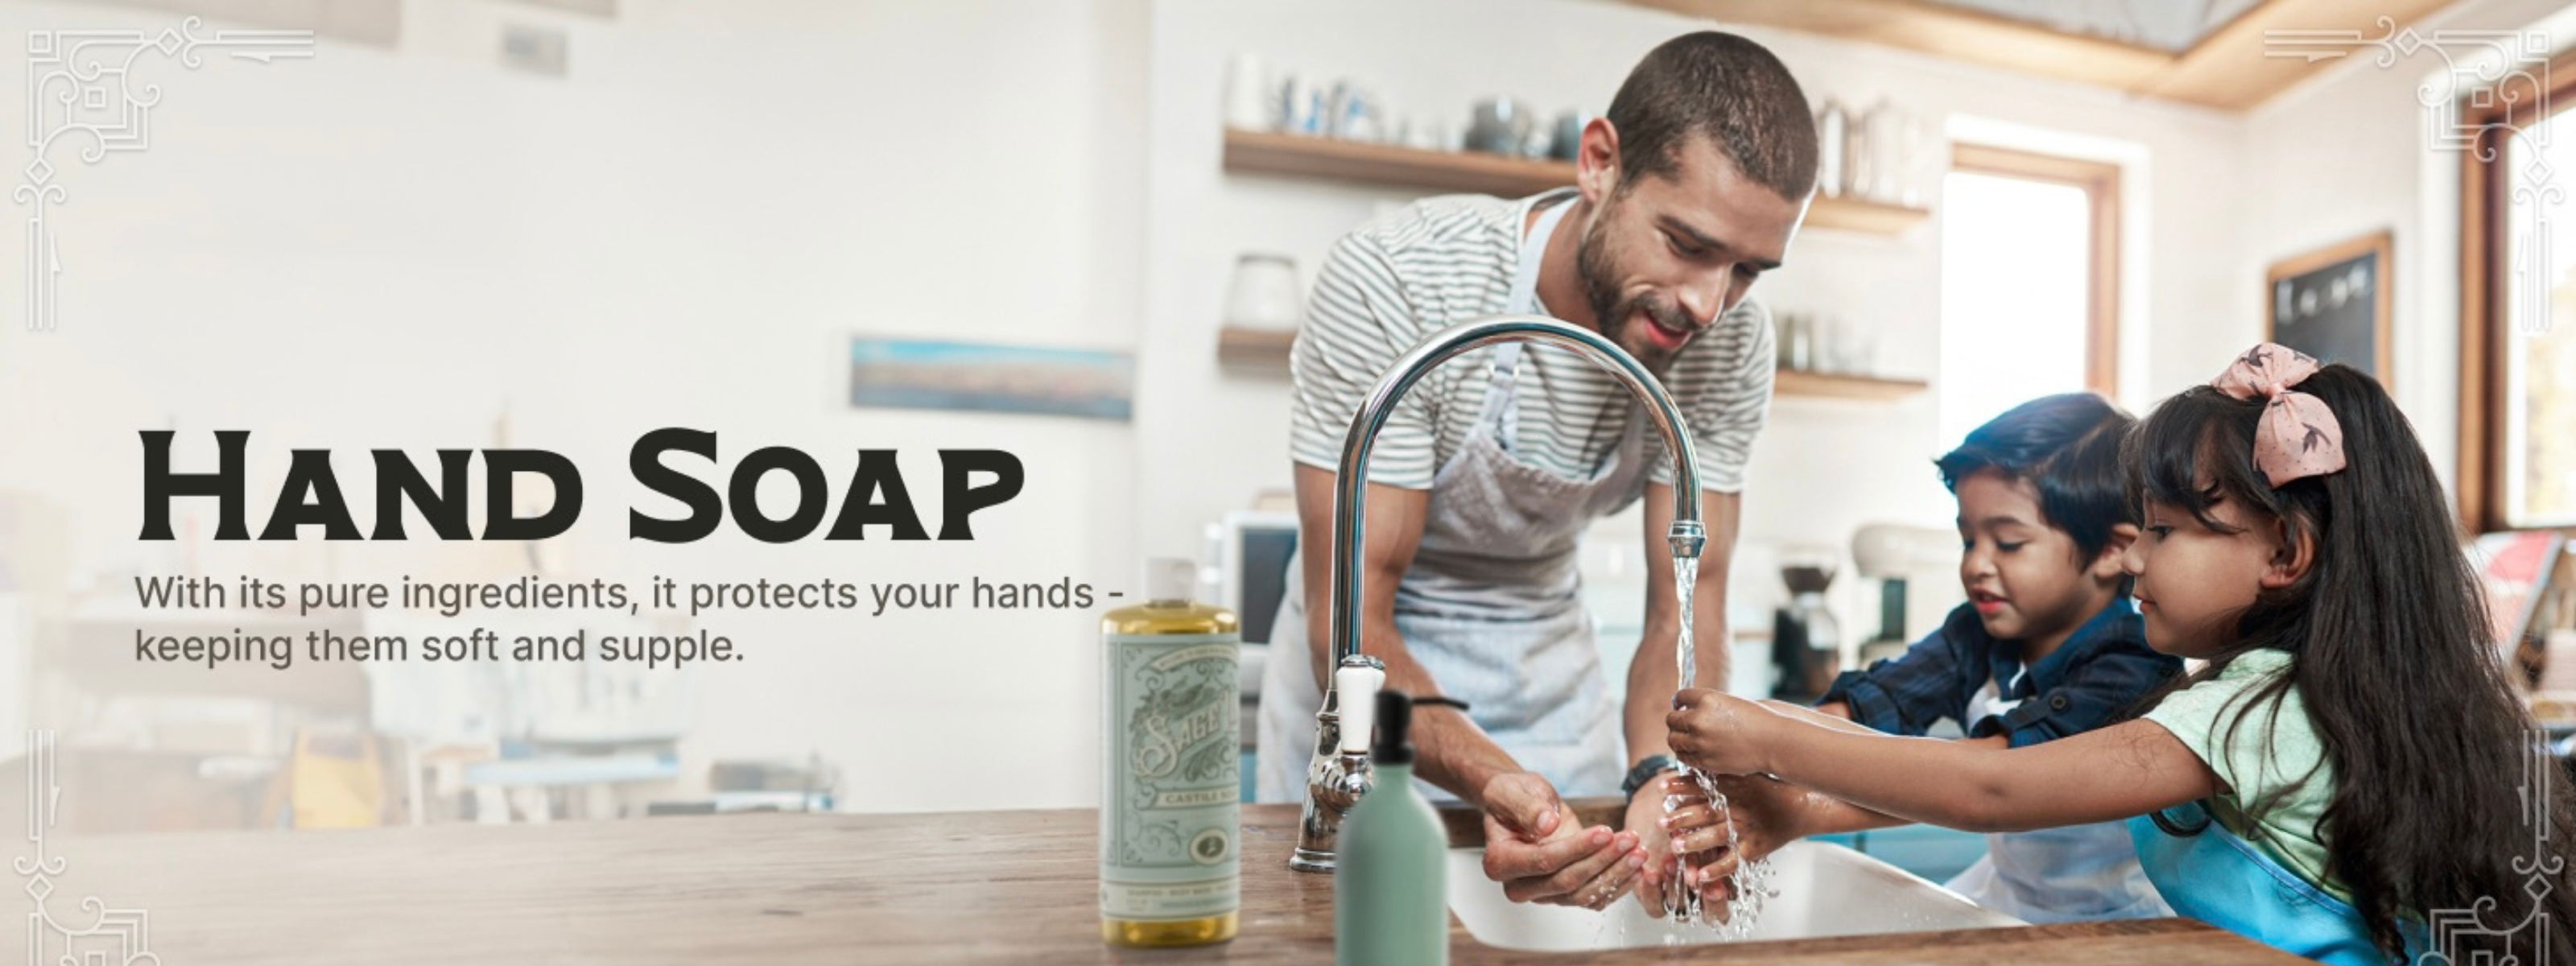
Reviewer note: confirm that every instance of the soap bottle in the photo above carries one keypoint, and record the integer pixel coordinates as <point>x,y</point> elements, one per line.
<point>1171,798</point>
<point>1390,878</point>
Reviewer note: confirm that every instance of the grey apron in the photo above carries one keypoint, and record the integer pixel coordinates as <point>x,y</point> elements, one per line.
<point>1492,605</point>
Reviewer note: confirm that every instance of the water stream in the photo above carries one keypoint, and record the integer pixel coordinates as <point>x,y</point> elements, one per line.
<point>1751,880</point>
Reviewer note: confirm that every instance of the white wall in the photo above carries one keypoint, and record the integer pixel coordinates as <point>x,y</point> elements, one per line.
<point>2347,154</point>
<point>382,248</point>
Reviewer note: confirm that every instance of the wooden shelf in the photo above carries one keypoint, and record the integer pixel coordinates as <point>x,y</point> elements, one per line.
<point>1266,352</point>
<point>1299,156</point>
<point>1863,217</point>
<point>1794,382</point>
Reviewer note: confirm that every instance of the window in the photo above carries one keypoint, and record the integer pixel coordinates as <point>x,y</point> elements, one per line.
<point>2518,308</point>
<point>2029,281</point>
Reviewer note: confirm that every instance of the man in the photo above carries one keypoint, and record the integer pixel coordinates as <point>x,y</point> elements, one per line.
<point>1486,474</point>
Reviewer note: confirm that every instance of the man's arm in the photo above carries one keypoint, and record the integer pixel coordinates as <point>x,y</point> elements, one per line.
<point>1653,676</point>
<point>1450,751</point>
<point>1534,844</point>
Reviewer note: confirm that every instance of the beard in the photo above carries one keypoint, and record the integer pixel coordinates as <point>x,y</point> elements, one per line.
<point>1614,316</point>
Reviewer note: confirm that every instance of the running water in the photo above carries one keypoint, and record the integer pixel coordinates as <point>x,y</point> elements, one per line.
<point>1751,880</point>
<point>1685,655</point>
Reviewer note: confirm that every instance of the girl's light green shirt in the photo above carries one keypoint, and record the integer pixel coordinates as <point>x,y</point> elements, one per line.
<point>2273,747</point>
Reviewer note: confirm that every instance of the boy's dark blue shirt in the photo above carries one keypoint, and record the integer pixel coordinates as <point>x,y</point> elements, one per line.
<point>2099,673</point>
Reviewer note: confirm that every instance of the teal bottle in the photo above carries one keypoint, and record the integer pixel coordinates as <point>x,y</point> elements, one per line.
<point>1390,877</point>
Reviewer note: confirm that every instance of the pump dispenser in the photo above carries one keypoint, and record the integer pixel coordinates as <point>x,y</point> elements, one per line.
<point>1390,886</point>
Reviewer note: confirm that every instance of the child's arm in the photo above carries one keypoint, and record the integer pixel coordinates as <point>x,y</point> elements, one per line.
<point>2111,773</point>
<point>1791,811</point>
<point>1833,814</point>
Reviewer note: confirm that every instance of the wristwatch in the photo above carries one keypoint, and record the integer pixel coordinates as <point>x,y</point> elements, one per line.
<point>1646,771</point>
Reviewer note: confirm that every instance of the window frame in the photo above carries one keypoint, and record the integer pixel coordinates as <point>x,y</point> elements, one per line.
<point>2485,195</point>
<point>2100,182</point>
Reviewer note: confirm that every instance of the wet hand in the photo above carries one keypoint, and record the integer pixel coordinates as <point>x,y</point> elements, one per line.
<point>1718,733</point>
<point>1540,852</point>
<point>1647,817</point>
<point>1767,814</point>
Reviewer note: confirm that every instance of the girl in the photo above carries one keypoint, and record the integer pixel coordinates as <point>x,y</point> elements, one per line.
<point>2350,778</point>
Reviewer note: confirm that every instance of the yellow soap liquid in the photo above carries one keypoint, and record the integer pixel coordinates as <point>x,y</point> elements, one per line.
<point>1194,932</point>
<point>1136,640</point>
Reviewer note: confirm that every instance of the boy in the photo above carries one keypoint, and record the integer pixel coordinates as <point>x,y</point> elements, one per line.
<point>2048,645</point>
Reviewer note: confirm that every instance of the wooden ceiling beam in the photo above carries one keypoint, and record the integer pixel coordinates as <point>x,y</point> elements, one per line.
<point>1951,32</point>
<point>2228,69</point>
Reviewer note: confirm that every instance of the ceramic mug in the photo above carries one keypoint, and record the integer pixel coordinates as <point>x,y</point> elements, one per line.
<point>1249,102</point>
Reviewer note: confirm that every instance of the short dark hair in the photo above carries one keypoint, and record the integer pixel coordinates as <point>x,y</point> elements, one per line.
<point>1725,88</point>
<point>2065,446</point>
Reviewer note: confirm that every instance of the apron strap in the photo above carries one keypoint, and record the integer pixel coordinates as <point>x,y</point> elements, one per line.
<point>1502,406</point>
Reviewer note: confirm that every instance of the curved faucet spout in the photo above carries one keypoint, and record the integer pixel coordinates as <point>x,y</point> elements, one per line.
<point>1336,778</point>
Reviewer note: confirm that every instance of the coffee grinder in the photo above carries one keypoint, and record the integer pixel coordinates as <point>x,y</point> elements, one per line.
<point>1893,554</point>
<point>1806,640</point>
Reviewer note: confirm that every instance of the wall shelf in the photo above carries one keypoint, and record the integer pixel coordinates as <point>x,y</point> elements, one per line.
<point>1824,385</point>
<point>1299,156</point>
<point>1266,352</point>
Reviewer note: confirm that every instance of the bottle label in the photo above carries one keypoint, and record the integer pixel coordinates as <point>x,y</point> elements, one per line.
<point>1171,799</point>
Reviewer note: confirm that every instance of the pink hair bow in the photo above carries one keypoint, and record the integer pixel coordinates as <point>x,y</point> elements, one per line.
<point>2298,436</point>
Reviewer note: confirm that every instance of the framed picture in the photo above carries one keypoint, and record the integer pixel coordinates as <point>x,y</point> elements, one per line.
<point>2333,304</point>
<point>932,374</point>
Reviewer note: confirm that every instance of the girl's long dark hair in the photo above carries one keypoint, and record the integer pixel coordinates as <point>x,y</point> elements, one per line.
<point>2393,657</point>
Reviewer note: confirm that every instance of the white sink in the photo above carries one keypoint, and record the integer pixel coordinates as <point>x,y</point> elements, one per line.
<point>1825,890</point>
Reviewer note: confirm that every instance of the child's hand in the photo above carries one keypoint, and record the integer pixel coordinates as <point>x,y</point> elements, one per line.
<point>1718,733</point>
<point>1767,814</point>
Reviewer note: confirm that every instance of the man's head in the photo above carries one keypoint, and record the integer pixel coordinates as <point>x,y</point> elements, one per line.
<point>2043,514</point>
<point>1697,178</point>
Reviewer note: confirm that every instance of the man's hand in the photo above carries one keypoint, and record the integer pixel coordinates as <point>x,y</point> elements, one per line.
<point>1647,818</point>
<point>1767,813</point>
<point>1540,852</point>
<point>1718,733</point>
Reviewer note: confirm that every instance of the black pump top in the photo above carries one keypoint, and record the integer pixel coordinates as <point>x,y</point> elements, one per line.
<point>1394,739</point>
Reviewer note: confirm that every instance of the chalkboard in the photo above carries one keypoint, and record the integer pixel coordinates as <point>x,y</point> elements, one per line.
<point>2333,304</point>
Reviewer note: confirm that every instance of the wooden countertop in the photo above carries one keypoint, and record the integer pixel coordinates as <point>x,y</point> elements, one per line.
<point>976,887</point>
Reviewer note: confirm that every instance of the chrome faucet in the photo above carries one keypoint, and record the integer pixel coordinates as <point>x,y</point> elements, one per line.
<point>1339,773</point>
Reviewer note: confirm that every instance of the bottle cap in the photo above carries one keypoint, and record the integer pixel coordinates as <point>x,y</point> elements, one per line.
<point>1394,729</point>
<point>1170,579</point>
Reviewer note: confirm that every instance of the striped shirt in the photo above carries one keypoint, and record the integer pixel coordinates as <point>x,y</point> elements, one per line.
<point>1390,284</point>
